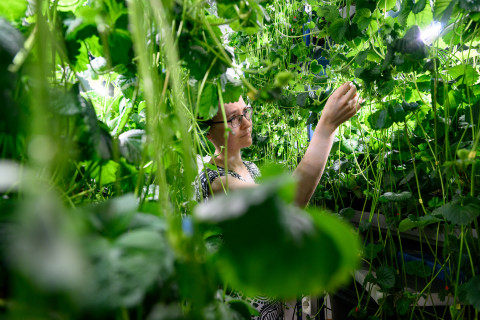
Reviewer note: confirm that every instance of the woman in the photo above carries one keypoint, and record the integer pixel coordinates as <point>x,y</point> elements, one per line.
<point>341,106</point>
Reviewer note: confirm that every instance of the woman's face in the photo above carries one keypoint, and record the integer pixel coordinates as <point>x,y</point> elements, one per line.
<point>239,137</point>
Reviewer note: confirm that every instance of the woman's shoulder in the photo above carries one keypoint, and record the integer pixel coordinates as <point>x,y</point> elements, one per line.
<point>252,168</point>
<point>204,180</point>
<point>211,173</point>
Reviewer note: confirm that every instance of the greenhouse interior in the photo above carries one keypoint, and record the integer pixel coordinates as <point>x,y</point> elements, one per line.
<point>239,159</point>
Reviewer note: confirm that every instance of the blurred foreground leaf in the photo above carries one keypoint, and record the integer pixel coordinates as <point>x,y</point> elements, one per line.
<point>276,249</point>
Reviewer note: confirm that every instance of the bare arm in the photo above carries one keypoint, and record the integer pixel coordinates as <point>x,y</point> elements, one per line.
<point>341,106</point>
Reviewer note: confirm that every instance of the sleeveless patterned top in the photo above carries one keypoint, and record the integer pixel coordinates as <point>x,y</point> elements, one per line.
<point>269,309</point>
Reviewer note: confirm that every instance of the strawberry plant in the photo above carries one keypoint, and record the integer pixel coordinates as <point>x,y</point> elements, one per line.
<point>104,107</point>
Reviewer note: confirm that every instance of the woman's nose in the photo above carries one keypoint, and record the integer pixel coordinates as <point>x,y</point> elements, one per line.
<point>246,123</point>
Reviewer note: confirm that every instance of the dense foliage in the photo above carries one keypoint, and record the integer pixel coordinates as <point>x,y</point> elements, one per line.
<point>103,109</point>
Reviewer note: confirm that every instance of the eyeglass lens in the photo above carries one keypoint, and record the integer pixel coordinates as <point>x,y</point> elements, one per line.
<point>236,121</point>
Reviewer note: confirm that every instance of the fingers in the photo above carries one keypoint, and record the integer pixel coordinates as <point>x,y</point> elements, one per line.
<point>343,89</point>
<point>354,105</point>
<point>351,92</point>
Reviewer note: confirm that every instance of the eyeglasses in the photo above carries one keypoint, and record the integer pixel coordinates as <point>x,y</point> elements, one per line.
<point>236,121</point>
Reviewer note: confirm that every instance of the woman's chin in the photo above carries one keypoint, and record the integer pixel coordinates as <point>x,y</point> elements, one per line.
<point>248,142</point>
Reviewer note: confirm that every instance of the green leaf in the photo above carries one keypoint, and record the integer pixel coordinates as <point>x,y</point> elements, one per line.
<point>347,213</point>
<point>302,99</point>
<point>423,18</point>
<point>410,107</point>
<point>315,67</point>
<point>13,9</point>
<point>386,88</point>
<point>419,6</point>
<point>106,173</point>
<point>362,18</point>
<point>385,277</point>
<point>111,218</point>
<point>443,9</point>
<point>413,222</point>
<point>472,292</point>
<point>370,251</point>
<point>361,57</point>
<point>418,268</point>
<point>329,12</point>
<point>395,197</point>
<point>226,11</point>
<point>282,78</point>
<point>208,105</point>
<point>66,104</point>
<point>402,305</point>
<point>465,73</point>
<point>397,114</point>
<point>460,211</point>
<point>379,120</point>
<point>121,47</point>
<point>405,10</point>
<point>131,145</point>
<point>469,5</point>
<point>70,5</point>
<point>338,29</point>
<point>386,5</point>
<point>232,92</point>
<point>298,49</point>
<point>411,43</point>
<point>124,271</point>
<point>126,107</point>
<point>246,262</point>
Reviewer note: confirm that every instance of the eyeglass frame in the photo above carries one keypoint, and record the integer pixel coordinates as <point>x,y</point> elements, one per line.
<point>233,118</point>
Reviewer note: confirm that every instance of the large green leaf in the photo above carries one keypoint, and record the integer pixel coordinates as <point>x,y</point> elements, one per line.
<point>470,292</point>
<point>460,211</point>
<point>275,249</point>
<point>396,196</point>
<point>443,10</point>
<point>405,10</point>
<point>131,143</point>
<point>385,277</point>
<point>417,222</point>
<point>418,268</point>
<point>386,5</point>
<point>424,17</point>
<point>386,88</point>
<point>397,114</point>
<point>13,9</point>
<point>232,90</point>
<point>329,12</point>
<point>338,29</point>
<point>379,119</point>
<point>370,251</point>
<point>466,74</point>
<point>411,44</point>
<point>469,5</point>
<point>419,6</point>
<point>315,67</point>
<point>111,218</point>
<point>126,270</point>
<point>208,105</point>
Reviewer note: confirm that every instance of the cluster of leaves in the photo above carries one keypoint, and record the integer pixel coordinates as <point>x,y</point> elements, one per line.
<point>412,153</point>
<point>98,105</point>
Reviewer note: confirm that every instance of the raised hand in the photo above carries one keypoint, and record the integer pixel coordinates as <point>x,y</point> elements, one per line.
<point>343,104</point>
